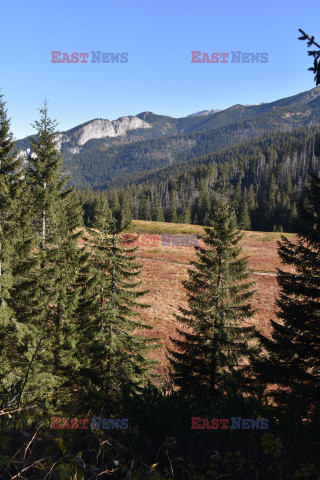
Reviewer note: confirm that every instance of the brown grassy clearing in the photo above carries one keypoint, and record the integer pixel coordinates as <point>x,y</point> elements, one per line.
<point>165,267</point>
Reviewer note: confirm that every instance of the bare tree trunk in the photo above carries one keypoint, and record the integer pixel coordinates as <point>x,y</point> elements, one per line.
<point>0,250</point>
<point>112,304</point>
<point>44,223</point>
<point>213,365</point>
<point>102,290</point>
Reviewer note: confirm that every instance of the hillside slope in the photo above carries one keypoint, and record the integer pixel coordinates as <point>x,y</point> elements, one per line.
<point>99,151</point>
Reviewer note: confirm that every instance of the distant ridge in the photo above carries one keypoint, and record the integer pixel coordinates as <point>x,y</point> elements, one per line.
<point>203,112</point>
<point>101,150</point>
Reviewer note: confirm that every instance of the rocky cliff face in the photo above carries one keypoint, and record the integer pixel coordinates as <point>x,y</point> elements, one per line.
<point>99,128</point>
<point>73,140</point>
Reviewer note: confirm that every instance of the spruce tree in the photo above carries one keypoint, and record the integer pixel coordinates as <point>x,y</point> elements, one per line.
<point>291,360</point>
<point>215,342</point>
<point>244,217</point>
<point>172,215</point>
<point>157,214</point>
<point>8,166</point>
<point>49,296</point>
<point>185,216</point>
<point>144,208</point>
<point>113,344</point>
<point>12,198</point>
<point>291,357</point>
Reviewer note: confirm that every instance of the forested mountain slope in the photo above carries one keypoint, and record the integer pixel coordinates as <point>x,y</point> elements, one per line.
<point>99,151</point>
<point>265,178</point>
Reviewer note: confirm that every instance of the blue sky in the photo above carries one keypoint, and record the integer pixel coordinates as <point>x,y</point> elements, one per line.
<point>159,37</point>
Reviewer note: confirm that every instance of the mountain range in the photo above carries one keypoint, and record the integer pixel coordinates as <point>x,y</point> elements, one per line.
<point>100,152</point>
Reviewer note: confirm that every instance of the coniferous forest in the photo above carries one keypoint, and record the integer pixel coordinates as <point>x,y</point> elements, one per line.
<point>266,180</point>
<point>80,396</point>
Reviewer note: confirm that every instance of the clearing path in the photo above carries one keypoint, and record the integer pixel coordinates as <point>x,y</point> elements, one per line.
<point>190,266</point>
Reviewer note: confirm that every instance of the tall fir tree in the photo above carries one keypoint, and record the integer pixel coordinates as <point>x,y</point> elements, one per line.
<point>291,360</point>
<point>144,208</point>
<point>49,296</point>
<point>12,221</point>
<point>244,216</point>
<point>215,342</point>
<point>113,343</point>
<point>172,215</point>
<point>185,215</point>
<point>157,214</point>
